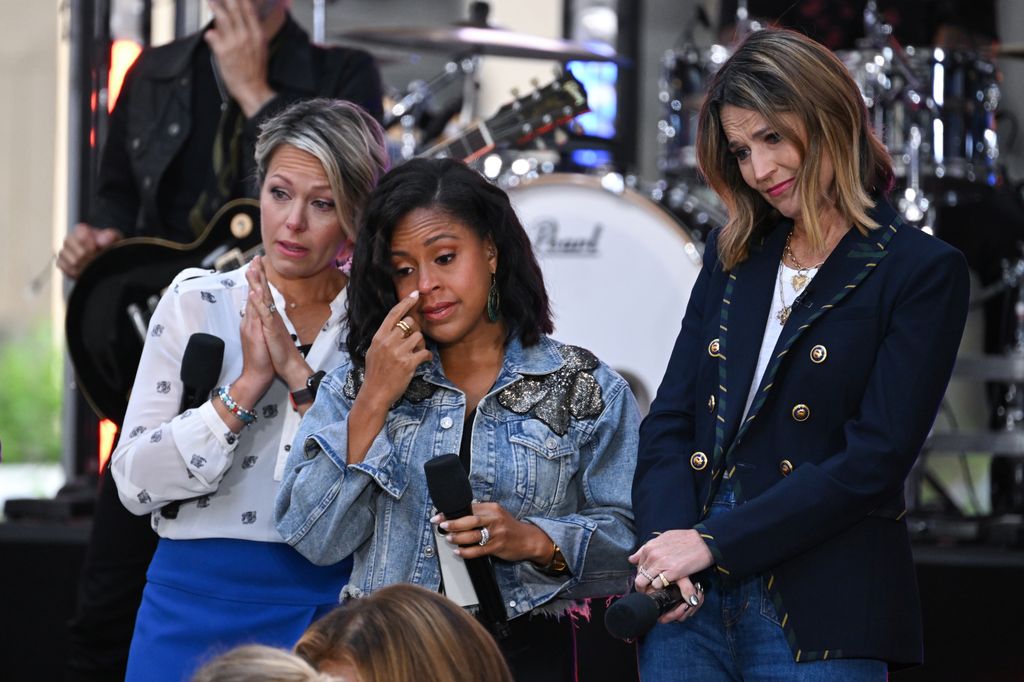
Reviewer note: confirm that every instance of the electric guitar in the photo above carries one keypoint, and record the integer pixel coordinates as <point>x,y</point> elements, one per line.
<point>109,307</point>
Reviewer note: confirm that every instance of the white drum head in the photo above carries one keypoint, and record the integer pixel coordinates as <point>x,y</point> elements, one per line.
<point>618,268</point>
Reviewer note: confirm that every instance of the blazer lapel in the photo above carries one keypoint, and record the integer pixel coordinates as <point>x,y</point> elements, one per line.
<point>741,329</point>
<point>854,259</point>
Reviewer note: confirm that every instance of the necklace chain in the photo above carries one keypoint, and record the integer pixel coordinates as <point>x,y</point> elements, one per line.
<point>783,315</point>
<point>803,272</point>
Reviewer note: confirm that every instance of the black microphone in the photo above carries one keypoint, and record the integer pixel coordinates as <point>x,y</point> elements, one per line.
<point>448,484</point>
<point>200,370</point>
<point>633,615</point>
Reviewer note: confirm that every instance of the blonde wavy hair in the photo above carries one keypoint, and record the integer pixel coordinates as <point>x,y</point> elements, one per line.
<point>785,76</point>
<point>404,633</point>
<point>259,663</point>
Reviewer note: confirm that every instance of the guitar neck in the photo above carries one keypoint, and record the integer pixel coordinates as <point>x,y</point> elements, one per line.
<point>469,146</point>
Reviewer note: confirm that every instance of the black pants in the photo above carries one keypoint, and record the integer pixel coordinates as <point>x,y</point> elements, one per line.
<point>110,589</point>
<point>540,649</point>
<point>543,649</point>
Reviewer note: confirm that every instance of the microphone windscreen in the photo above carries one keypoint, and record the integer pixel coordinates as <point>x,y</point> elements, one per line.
<point>448,483</point>
<point>631,616</point>
<point>201,364</point>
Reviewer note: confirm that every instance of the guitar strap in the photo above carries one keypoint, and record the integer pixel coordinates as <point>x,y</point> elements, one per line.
<point>226,156</point>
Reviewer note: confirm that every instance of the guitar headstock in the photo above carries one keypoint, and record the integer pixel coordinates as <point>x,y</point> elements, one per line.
<point>539,111</point>
<point>520,121</point>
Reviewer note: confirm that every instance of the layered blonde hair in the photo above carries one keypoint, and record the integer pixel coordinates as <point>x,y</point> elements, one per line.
<point>777,72</point>
<point>404,633</point>
<point>259,663</point>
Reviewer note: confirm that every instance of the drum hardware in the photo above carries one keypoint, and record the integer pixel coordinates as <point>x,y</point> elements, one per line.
<point>692,202</point>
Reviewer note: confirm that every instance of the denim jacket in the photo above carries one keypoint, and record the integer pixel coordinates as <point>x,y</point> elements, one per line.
<point>554,442</point>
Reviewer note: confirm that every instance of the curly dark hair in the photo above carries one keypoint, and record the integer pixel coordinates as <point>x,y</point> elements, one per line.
<point>465,195</point>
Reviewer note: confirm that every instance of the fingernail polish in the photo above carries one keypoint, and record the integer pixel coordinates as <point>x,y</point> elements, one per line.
<point>693,600</point>
<point>415,293</point>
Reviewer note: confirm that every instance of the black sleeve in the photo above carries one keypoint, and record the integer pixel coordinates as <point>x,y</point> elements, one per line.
<point>115,200</point>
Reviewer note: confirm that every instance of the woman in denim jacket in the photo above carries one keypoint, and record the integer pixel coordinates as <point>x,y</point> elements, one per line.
<point>448,320</point>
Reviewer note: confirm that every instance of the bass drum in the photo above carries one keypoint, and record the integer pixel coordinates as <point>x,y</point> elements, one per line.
<point>618,269</point>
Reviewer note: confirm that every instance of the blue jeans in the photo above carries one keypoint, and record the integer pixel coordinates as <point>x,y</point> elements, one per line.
<point>736,635</point>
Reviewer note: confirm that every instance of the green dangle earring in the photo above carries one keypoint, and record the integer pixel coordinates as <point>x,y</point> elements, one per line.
<point>493,301</point>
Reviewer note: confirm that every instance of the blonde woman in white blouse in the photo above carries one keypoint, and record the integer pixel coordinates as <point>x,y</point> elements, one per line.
<point>221,574</point>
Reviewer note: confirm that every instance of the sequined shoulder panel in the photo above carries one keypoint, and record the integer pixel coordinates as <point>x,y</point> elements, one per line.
<point>571,391</point>
<point>418,391</point>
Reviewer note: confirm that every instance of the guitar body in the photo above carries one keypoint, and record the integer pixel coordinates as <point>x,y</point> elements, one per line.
<point>110,303</point>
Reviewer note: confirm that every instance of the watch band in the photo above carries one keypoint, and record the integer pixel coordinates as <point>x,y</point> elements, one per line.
<point>306,395</point>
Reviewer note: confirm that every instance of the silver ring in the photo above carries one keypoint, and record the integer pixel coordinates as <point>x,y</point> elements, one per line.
<point>485,536</point>
<point>272,308</point>
<point>644,573</point>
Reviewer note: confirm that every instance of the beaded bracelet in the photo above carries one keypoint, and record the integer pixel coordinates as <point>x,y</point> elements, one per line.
<point>245,416</point>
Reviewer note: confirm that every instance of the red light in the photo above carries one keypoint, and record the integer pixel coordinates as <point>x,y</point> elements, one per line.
<point>122,55</point>
<point>108,431</point>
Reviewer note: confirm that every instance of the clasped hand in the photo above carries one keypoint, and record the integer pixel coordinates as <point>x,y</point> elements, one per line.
<point>675,555</point>
<point>268,349</point>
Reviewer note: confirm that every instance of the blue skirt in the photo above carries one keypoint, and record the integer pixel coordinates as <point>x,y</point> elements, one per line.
<point>203,597</point>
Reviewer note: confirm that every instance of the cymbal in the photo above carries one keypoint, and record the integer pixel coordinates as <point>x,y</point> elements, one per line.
<point>1009,50</point>
<point>480,41</point>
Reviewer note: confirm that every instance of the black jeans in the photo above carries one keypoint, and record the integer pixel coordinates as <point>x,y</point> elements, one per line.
<point>110,589</point>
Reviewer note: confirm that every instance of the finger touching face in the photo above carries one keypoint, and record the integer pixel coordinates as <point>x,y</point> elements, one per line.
<point>451,267</point>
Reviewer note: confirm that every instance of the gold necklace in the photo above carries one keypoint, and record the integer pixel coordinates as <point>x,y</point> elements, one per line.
<point>802,276</point>
<point>783,315</point>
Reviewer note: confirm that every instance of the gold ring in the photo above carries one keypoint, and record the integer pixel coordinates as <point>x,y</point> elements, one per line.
<point>404,326</point>
<point>664,581</point>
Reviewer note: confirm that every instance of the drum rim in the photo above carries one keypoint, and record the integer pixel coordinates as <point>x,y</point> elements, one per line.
<point>631,195</point>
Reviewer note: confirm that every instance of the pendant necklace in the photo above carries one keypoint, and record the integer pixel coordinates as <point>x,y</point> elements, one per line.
<point>802,276</point>
<point>783,315</point>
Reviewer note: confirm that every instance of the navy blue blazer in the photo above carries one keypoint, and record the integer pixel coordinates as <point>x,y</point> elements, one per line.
<point>819,462</point>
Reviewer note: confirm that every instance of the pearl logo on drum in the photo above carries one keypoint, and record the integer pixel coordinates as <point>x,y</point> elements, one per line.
<point>549,239</point>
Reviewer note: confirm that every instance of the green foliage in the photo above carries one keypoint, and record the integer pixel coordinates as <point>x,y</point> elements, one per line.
<point>30,398</point>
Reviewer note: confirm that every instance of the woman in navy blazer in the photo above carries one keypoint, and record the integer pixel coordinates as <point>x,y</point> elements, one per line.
<point>814,353</point>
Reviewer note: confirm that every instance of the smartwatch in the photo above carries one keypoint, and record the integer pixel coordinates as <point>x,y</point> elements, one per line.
<point>306,395</point>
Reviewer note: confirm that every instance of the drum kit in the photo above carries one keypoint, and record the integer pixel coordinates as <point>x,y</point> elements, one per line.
<point>934,108</point>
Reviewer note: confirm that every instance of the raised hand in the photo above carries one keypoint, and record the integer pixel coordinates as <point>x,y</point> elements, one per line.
<point>285,357</point>
<point>395,352</point>
<point>239,43</point>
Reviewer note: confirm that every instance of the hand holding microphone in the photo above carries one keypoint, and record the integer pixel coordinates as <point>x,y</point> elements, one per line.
<point>635,614</point>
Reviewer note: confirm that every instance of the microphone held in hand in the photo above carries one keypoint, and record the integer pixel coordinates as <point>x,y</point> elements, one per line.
<point>635,614</point>
<point>448,484</point>
<point>200,369</point>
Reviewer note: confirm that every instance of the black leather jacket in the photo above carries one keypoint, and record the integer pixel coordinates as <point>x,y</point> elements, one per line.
<point>153,117</point>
